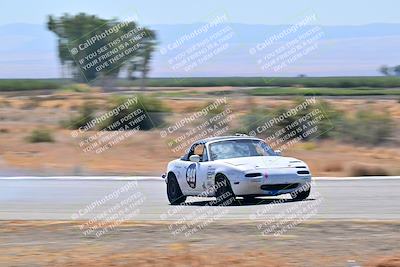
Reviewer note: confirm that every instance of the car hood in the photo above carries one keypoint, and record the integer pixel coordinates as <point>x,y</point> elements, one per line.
<point>246,163</point>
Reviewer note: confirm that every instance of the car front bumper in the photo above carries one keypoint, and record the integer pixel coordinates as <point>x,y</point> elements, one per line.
<point>271,182</point>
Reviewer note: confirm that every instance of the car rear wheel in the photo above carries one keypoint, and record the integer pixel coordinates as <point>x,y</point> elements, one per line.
<point>174,192</point>
<point>301,195</point>
<point>224,194</point>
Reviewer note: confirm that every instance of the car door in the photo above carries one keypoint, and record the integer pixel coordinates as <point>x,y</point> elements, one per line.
<point>205,173</point>
<point>194,172</point>
<point>189,173</point>
<point>181,171</point>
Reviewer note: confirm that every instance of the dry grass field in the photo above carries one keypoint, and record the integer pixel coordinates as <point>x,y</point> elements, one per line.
<point>313,243</point>
<point>146,153</point>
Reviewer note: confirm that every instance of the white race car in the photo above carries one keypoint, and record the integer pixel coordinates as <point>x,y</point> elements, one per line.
<point>235,166</point>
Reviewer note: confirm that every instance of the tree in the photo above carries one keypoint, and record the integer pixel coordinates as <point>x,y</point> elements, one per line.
<point>385,70</point>
<point>396,70</point>
<point>145,57</point>
<point>90,47</point>
<point>142,62</point>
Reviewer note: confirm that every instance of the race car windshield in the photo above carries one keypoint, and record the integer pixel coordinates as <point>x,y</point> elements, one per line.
<point>239,148</point>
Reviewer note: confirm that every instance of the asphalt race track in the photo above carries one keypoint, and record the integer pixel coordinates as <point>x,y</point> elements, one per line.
<point>66,199</point>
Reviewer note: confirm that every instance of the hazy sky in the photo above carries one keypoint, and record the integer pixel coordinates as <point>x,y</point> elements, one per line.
<point>30,50</point>
<point>338,12</point>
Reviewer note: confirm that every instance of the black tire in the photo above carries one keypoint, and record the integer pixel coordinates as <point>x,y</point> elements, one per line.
<point>224,194</point>
<point>174,192</point>
<point>301,195</point>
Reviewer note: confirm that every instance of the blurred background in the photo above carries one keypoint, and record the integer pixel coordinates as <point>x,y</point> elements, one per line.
<point>120,88</point>
<point>67,68</point>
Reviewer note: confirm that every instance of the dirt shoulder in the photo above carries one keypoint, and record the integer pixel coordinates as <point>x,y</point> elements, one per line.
<point>313,243</point>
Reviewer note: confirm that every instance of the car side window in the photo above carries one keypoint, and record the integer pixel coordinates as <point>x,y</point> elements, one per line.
<point>199,150</point>
<point>189,153</point>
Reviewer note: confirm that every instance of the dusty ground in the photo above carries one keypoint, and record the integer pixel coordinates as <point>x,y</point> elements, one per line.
<point>40,243</point>
<point>145,152</point>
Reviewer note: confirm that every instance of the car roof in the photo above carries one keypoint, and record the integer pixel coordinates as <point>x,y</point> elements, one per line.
<point>216,139</point>
<point>221,138</point>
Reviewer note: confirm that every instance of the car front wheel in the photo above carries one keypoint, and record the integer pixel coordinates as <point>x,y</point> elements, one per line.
<point>300,195</point>
<point>224,194</point>
<point>174,192</point>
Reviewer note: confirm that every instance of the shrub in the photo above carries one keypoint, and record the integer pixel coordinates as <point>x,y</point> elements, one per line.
<point>152,109</point>
<point>333,167</point>
<point>77,88</point>
<point>324,124</point>
<point>335,82</point>
<point>363,170</point>
<point>29,84</point>
<point>366,127</point>
<point>332,117</point>
<point>214,115</point>
<point>253,119</point>
<point>32,103</point>
<point>213,111</point>
<point>5,103</point>
<point>40,135</point>
<point>259,116</point>
<point>309,146</point>
<point>86,114</point>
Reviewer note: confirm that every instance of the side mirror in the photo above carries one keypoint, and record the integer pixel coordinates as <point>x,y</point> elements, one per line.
<point>194,158</point>
<point>278,152</point>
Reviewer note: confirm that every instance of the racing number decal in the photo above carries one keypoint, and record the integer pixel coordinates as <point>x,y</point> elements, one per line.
<point>191,175</point>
